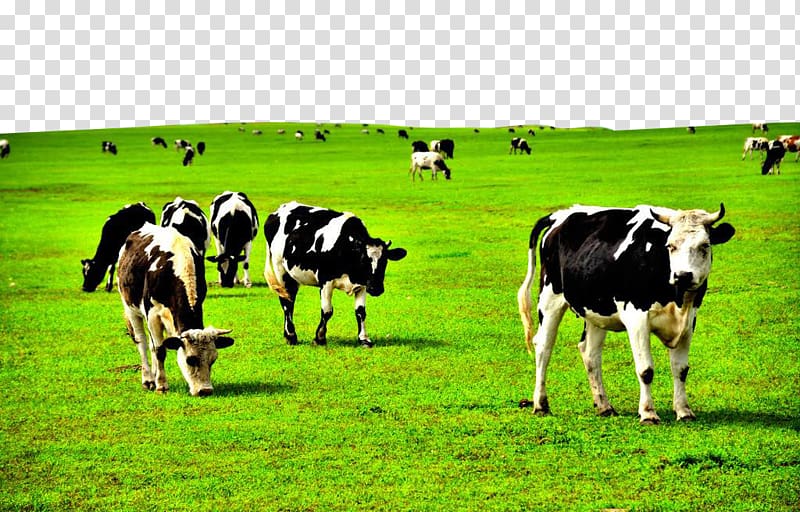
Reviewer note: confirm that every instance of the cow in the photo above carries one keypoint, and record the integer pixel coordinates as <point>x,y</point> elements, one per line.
<point>446,147</point>
<point>5,148</point>
<point>792,144</point>
<point>775,153</point>
<point>318,135</point>
<point>434,145</point>
<point>314,246</point>
<point>691,130</point>
<point>364,131</point>
<point>402,134</point>
<point>642,270</point>
<point>201,147</point>
<point>518,143</point>
<point>754,144</point>
<point>181,144</point>
<point>162,282</point>
<point>281,131</point>
<point>531,132</point>
<point>234,225</point>
<point>428,160</point>
<point>189,219</point>
<point>158,141</point>
<point>761,127</point>
<point>109,147</point>
<point>298,135</point>
<point>188,156</point>
<point>380,131</point>
<point>257,132</point>
<point>419,146</point>
<point>115,230</point>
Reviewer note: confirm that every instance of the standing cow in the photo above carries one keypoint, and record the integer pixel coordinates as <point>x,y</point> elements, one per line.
<point>116,229</point>
<point>428,160</point>
<point>109,147</point>
<point>234,225</point>
<point>5,148</point>
<point>189,219</point>
<point>518,143</point>
<point>313,246</point>
<point>642,270</point>
<point>162,282</point>
<point>775,154</point>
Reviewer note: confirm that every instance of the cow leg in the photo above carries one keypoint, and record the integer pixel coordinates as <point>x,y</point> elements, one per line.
<point>326,312</point>
<point>639,335</point>
<point>135,325</point>
<point>246,265</point>
<point>679,364</point>
<point>110,282</point>
<point>551,310</point>
<point>361,318</point>
<point>287,304</point>
<point>158,352</point>
<point>591,349</point>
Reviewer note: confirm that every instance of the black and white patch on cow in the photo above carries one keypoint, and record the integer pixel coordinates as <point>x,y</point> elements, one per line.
<point>162,283</point>
<point>109,147</point>
<point>5,148</point>
<point>115,230</point>
<point>312,246</point>
<point>158,141</point>
<point>428,160</point>
<point>234,225</point>
<point>642,270</point>
<point>419,146</point>
<point>189,219</point>
<point>181,144</point>
<point>446,147</point>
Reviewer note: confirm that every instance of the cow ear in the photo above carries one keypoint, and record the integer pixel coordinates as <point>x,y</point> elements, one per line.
<point>722,233</point>
<point>84,262</point>
<point>223,342</point>
<point>173,343</point>
<point>212,259</point>
<point>396,254</point>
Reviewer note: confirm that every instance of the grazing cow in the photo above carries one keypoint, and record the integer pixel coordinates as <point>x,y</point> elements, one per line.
<point>257,132</point>
<point>428,160</point>
<point>775,153</point>
<point>446,148</point>
<point>234,225</point>
<point>402,134</point>
<point>162,282</point>
<point>188,156</point>
<point>642,270</point>
<point>241,129</point>
<point>475,130</point>
<point>116,229</point>
<point>298,135</point>
<point>181,144</point>
<point>319,136</point>
<point>754,144</point>
<point>365,131</point>
<point>380,131</point>
<point>158,141</point>
<point>189,219</point>
<point>314,246</point>
<point>531,132</point>
<point>281,131</point>
<point>511,130</point>
<point>109,147</point>
<point>5,148</point>
<point>520,144</point>
<point>762,127</point>
<point>792,144</point>
<point>419,146</point>
<point>691,130</point>
<point>201,147</point>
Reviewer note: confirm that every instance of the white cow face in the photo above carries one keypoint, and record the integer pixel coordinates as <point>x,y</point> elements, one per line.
<point>689,245</point>
<point>197,352</point>
<point>378,255</point>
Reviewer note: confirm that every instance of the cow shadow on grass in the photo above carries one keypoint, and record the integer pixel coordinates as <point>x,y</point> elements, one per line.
<point>252,388</point>
<point>739,417</point>
<point>379,342</point>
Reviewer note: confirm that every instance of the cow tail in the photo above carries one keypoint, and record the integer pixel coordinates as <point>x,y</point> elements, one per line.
<point>272,279</point>
<point>524,293</point>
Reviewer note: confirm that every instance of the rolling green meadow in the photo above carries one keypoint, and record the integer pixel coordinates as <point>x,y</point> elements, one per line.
<point>428,419</point>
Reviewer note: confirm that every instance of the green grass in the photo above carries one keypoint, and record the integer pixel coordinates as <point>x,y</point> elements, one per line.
<point>428,419</point>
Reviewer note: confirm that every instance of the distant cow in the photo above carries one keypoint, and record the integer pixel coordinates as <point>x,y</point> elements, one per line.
<point>234,225</point>
<point>5,148</point>
<point>109,147</point>
<point>419,146</point>
<point>380,131</point>
<point>115,230</point>
<point>752,144</point>
<point>365,131</point>
<point>189,219</point>
<point>162,282</point>
<point>775,153</point>
<point>531,132</point>
<point>520,144</point>
<point>318,135</point>
<point>792,144</point>
<point>257,132</point>
<point>642,270</point>
<point>761,127</point>
<point>281,131</point>
<point>428,160</point>
<point>158,141</point>
<point>188,156</point>
<point>181,144</point>
<point>691,130</point>
<point>298,135</point>
<point>201,147</point>
<point>314,246</point>
<point>402,134</point>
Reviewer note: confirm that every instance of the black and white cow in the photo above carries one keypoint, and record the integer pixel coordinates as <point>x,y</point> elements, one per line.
<point>428,160</point>
<point>116,229</point>
<point>234,225</point>
<point>201,147</point>
<point>419,146</point>
<point>775,154</point>
<point>752,144</point>
<point>642,270</point>
<point>446,148</point>
<point>188,156</point>
<point>181,144</point>
<point>109,147</point>
<point>318,135</point>
<point>189,219</point>
<point>761,127</point>
<point>314,246</point>
<point>298,135</point>
<point>518,143</point>
<point>531,132</point>
<point>5,148</point>
<point>158,141</point>
<point>162,283</point>
<point>402,134</point>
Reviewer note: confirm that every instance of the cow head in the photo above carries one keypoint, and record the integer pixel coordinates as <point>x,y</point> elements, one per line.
<point>92,274</point>
<point>197,352</point>
<point>689,244</point>
<point>376,254</point>
<point>227,266</point>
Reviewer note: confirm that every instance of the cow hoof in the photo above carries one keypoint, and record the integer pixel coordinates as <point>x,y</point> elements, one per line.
<point>320,341</point>
<point>162,391</point>
<point>367,343</point>
<point>291,340</point>
<point>149,386</point>
<point>650,421</point>
<point>687,417</point>
<point>608,412</point>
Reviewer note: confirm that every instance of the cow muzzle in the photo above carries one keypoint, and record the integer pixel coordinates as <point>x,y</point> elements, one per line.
<point>684,281</point>
<point>204,391</point>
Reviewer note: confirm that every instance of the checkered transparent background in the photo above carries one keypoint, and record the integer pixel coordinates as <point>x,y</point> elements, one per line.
<point>75,64</point>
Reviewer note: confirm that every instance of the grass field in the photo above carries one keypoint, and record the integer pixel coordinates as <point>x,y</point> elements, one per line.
<point>428,418</point>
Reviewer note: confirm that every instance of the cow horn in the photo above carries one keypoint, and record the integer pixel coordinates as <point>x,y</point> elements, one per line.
<point>660,218</point>
<point>217,332</point>
<point>714,217</point>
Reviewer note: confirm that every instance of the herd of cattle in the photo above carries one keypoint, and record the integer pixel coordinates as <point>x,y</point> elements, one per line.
<point>772,152</point>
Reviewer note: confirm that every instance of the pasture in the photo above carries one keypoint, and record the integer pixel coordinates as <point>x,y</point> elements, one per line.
<point>428,419</point>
